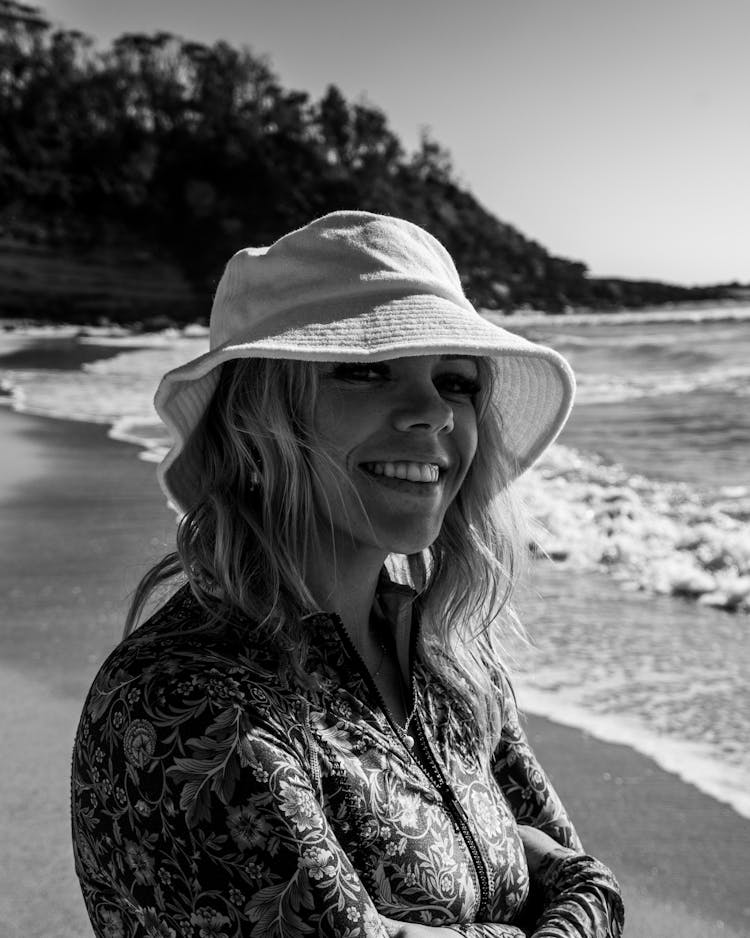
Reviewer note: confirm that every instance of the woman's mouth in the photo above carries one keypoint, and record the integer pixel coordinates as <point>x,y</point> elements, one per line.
<point>406,471</point>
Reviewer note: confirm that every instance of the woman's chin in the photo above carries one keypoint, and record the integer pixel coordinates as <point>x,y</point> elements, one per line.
<point>410,542</point>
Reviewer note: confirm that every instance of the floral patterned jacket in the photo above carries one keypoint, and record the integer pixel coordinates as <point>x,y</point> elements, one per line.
<point>213,796</point>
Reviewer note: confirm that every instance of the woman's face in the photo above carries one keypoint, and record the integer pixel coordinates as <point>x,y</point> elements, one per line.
<point>402,434</point>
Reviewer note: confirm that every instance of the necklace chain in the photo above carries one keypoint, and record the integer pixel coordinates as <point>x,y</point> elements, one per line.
<point>410,714</point>
<point>413,712</point>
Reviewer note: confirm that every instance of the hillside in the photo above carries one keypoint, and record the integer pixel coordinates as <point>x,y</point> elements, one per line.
<point>129,175</point>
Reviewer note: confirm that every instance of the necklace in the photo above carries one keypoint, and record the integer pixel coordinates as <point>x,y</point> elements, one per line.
<point>406,738</point>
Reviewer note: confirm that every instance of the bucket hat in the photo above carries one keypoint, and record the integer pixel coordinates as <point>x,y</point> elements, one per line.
<point>356,286</point>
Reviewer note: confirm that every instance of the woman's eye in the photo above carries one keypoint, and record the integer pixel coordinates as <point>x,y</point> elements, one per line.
<point>460,385</point>
<point>359,371</point>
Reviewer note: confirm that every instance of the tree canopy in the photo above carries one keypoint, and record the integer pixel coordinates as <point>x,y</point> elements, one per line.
<point>197,150</point>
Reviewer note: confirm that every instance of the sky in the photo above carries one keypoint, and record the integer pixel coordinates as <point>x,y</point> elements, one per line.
<point>614,132</point>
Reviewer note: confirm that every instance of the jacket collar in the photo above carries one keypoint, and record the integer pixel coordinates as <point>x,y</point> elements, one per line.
<point>395,602</point>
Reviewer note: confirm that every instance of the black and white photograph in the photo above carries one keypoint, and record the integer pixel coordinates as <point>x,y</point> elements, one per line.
<point>374,487</point>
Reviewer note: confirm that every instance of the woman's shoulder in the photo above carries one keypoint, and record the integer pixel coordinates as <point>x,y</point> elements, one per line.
<point>181,630</point>
<point>182,653</point>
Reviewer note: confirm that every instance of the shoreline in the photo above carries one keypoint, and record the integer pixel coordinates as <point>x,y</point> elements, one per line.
<point>680,856</point>
<point>724,308</point>
<point>80,520</point>
<point>669,755</point>
<point>697,311</point>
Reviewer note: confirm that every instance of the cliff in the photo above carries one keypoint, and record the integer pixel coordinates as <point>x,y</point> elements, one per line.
<point>129,175</point>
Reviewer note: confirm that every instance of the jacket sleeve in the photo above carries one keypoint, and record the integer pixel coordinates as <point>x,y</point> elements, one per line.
<point>196,814</point>
<point>577,896</point>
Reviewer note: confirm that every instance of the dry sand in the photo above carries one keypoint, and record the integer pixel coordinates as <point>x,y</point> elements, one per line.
<point>80,518</point>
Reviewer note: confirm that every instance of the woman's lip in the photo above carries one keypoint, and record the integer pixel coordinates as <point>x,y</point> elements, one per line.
<point>440,461</point>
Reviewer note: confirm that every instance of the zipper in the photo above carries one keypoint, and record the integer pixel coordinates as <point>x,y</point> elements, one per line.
<point>457,814</point>
<point>429,764</point>
<point>452,805</point>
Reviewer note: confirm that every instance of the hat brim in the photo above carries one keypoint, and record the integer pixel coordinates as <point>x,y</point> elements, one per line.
<point>534,388</point>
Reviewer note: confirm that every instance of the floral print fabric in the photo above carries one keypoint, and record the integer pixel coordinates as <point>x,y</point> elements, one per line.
<point>213,796</point>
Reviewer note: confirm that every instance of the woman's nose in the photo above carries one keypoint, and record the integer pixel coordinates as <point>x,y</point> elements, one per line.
<point>423,408</point>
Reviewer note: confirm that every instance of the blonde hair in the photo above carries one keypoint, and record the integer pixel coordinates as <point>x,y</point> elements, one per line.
<point>243,544</point>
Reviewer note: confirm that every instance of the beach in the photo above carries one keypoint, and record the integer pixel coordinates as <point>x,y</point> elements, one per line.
<point>80,518</point>
<point>74,532</point>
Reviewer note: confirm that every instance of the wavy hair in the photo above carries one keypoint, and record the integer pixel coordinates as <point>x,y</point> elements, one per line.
<point>244,543</point>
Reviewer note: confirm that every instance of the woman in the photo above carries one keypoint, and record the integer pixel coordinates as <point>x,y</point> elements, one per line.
<point>315,734</point>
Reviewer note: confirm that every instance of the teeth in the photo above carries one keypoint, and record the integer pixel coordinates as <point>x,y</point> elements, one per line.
<point>410,471</point>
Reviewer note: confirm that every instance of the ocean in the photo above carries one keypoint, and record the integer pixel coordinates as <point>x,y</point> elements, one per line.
<point>640,618</point>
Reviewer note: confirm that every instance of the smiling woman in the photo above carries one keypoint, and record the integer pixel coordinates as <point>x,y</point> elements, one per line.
<point>402,435</point>
<point>316,733</point>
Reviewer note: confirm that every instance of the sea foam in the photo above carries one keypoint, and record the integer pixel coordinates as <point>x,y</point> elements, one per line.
<point>730,312</point>
<point>660,537</point>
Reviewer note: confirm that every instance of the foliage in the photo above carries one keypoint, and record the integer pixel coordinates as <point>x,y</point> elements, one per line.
<point>197,150</point>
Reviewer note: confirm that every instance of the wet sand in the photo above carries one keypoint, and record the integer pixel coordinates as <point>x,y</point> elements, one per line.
<point>80,519</point>
<point>75,531</point>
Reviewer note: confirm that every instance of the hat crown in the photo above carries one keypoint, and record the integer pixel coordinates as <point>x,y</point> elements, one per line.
<point>343,255</point>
